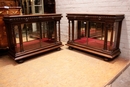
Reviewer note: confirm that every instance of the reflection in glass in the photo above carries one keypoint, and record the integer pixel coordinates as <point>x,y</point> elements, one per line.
<point>30,36</point>
<point>96,35</point>
<point>37,2</point>
<point>38,9</point>
<point>93,34</point>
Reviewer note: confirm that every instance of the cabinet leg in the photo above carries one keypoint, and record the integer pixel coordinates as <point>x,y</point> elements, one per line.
<point>20,61</point>
<point>107,59</point>
<point>71,48</point>
<point>58,48</point>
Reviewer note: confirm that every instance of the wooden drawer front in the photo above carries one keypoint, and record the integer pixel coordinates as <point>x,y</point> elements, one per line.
<point>14,11</point>
<point>9,12</point>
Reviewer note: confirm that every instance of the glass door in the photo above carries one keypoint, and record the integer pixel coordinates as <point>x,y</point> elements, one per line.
<point>37,6</point>
<point>32,7</point>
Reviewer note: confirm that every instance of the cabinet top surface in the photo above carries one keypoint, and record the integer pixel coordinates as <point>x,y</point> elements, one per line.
<point>91,14</point>
<point>96,17</point>
<point>31,15</point>
<point>7,7</point>
<point>32,18</point>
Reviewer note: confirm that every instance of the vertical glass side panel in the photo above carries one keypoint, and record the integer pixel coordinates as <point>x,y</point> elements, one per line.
<point>110,37</point>
<point>115,35</point>
<point>57,30</point>
<point>29,7</point>
<point>16,35</point>
<point>75,30</point>
<point>70,30</point>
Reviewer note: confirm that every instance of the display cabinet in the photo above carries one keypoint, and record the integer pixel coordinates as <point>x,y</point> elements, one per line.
<point>95,33</point>
<point>7,7</point>
<point>29,35</point>
<point>5,10</point>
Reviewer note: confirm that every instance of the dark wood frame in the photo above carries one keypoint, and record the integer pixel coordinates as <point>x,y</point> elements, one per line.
<point>108,20</point>
<point>49,6</point>
<point>17,20</point>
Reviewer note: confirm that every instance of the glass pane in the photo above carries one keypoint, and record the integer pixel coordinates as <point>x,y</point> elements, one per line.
<point>110,35</point>
<point>17,40</point>
<point>38,2</point>
<point>90,34</point>
<point>16,30</point>
<point>27,36</point>
<point>115,36</point>
<point>38,9</point>
<point>48,34</point>
<point>116,27</point>
<point>31,36</point>
<point>96,35</point>
<point>80,32</point>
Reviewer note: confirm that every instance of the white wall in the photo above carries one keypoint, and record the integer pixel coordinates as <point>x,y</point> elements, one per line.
<point>97,6</point>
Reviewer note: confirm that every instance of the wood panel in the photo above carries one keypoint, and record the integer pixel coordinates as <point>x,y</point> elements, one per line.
<point>4,11</point>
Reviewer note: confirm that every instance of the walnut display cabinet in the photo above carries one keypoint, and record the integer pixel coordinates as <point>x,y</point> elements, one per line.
<point>29,35</point>
<point>95,33</point>
<point>7,7</point>
<point>6,11</point>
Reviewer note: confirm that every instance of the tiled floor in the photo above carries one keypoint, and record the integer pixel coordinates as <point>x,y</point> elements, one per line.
<point>64,68</point>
